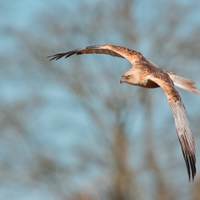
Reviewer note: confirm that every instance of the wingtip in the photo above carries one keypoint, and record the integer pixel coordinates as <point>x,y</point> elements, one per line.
<point>193,175</point>
<point>191,167</point>
<point>51,57</point>
<point>192,178</point>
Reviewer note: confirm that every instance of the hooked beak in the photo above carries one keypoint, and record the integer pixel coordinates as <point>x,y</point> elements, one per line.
<point>122,80</point>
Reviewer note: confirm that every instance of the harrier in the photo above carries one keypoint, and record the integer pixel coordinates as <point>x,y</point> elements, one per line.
<point>146,74</point>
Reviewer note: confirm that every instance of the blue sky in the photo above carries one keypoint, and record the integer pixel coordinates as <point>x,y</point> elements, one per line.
<point>22,14</point>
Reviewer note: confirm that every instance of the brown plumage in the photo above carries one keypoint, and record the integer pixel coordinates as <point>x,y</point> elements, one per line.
<point>146,74</point>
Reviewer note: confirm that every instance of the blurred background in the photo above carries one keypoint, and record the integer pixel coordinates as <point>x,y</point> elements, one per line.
<point>68,129</point>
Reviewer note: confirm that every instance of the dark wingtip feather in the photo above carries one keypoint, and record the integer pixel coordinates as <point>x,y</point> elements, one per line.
<point>53,57</point>
<point>50,57</point>
<point>67,54</point>
<point>189,157</point>
<point>185,137</point>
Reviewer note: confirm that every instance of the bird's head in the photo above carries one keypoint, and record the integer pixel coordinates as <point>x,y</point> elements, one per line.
<point>128,77</point>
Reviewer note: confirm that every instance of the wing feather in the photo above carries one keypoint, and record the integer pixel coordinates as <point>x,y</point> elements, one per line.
<point>181,122</point>
<point>111,50</point>
<point>185,136</point>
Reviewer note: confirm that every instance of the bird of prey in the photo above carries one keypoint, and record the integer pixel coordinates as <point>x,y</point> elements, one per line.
<point>146,74</point>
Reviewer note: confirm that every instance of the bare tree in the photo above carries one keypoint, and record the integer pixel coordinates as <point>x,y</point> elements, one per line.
<point>102,152</point>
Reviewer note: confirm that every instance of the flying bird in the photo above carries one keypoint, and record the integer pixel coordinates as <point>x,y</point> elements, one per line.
<point>146,74</point>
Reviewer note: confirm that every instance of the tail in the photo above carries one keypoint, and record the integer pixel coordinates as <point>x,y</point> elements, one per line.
<point>184,83</point>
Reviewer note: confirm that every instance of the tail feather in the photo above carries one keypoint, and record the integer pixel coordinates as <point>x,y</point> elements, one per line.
<point>184,83</point>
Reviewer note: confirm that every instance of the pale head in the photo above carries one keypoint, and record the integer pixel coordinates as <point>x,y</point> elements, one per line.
<point>129,77</point>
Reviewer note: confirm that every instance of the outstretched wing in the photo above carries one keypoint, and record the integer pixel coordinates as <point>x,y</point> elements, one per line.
<point>182,125</point>
<point>112,50</point>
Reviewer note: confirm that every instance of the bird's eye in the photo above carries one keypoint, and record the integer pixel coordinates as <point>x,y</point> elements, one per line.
<point>127,77</point>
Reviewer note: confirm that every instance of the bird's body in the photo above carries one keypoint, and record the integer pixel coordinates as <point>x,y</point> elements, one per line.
<point>146,74</point>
